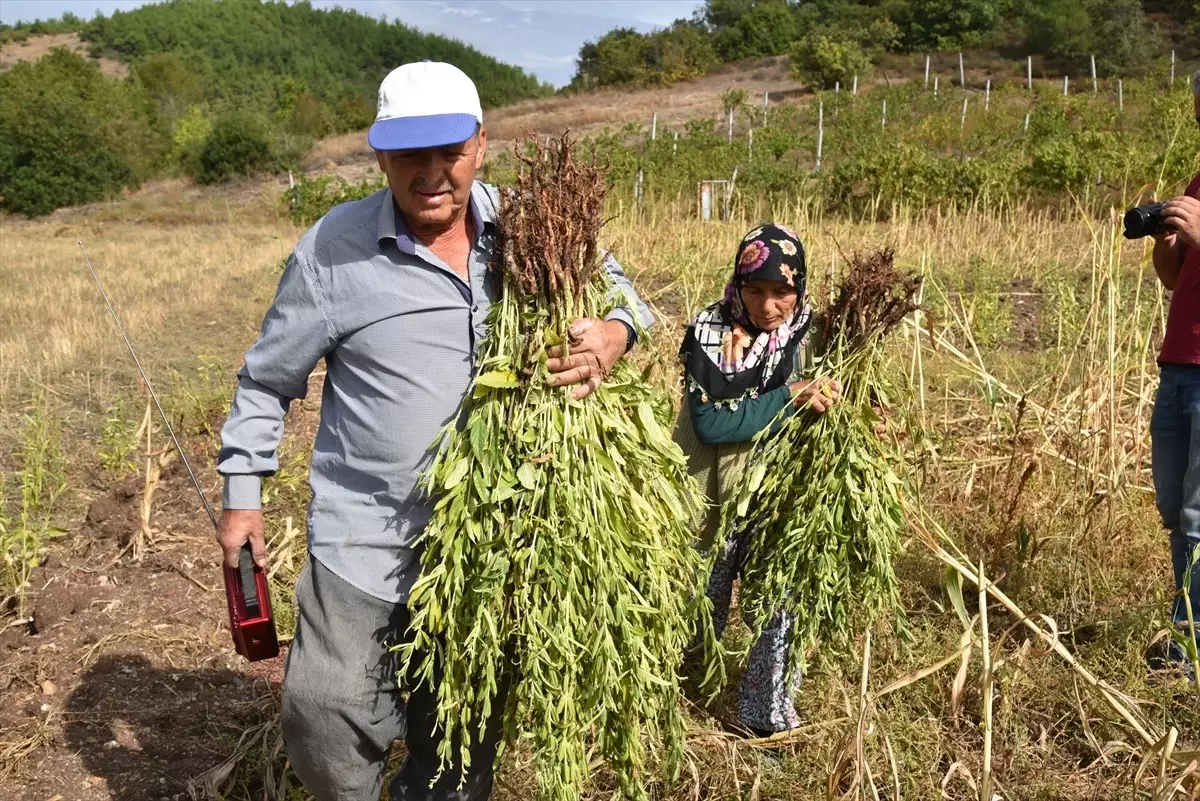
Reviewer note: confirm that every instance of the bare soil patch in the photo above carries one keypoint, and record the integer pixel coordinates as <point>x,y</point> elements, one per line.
<point>33,48</point>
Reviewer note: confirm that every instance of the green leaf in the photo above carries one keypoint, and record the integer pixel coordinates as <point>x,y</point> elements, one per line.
<point>954,589</point>
<point>457,473</point>
<point>756,477</point>
<point>497,379</point>
<point>527,475</point>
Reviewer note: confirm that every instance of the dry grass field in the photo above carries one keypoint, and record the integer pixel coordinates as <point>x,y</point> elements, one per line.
<point>34,47</point>
<point>1027,392</point>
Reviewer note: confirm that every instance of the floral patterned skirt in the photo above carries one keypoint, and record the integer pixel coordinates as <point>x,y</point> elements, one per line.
<point>765,693</point>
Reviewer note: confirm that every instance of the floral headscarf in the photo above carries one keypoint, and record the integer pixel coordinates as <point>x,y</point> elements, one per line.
<point>725,355</point>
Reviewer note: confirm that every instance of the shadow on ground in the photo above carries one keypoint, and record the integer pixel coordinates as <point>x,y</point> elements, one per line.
<point>147,730</point>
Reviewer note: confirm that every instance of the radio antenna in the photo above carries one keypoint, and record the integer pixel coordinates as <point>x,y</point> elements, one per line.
<point>153,396</point>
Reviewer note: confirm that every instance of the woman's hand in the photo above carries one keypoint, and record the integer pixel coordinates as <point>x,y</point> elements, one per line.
<point>818,394</point>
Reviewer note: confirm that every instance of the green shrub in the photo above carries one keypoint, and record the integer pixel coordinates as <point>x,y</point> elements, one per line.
<point>822,60</point>
<point>310,199</point>
<point>53,156</point>
<point>237,146</point>
<point>188,138</point>
<point>70,135</point>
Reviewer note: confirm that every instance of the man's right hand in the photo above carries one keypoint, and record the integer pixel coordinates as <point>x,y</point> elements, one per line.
<point>237,526</point>
<point>1183,214</point>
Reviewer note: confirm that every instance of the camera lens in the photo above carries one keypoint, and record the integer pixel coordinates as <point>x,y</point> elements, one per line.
<point>1137,223</point>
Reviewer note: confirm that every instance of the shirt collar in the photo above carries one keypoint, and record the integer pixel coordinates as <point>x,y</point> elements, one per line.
<point>391,224</point>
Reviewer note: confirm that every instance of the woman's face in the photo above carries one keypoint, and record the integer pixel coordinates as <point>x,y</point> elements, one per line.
<point>769,303</point>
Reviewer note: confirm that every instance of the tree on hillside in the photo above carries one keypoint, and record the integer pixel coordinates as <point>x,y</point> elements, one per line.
<point>767,28</point>
<point>1061,29</point>
<point>69,134</point>
<point>624,57</point>
<point>1069,31</point>
<point>1123,40</point>
<point>615,59</point>
<point>945,24</point>
<point>170,83</point>
<point>821,60</point>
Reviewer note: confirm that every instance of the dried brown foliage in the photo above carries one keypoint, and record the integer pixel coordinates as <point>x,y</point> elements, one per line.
<point>872,298</point>
<point>550,225</point>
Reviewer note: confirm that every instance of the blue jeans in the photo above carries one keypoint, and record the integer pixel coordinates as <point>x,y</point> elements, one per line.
<point>1175,458</point>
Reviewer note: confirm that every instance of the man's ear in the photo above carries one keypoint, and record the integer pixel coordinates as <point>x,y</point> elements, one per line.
<point>480,146</point>
<point>381,160</point>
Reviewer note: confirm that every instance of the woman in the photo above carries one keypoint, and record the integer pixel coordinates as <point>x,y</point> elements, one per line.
<point>742,359</point>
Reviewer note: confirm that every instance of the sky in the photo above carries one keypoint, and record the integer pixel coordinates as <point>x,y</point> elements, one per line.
<point>543,36</point>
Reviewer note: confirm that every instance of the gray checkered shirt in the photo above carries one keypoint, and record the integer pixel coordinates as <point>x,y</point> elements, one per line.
<point>398,331</point>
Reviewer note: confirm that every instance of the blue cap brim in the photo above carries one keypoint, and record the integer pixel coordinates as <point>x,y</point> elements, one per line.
<point>433,130</point>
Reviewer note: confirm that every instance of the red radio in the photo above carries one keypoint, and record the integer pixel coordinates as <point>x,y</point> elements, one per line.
<point>250,619</point>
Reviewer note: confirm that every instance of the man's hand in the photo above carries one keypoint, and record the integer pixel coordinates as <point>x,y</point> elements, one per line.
<point>595,347</point>
<point>1183,214</point>
<point>819,394</point>
<point>237,526</point>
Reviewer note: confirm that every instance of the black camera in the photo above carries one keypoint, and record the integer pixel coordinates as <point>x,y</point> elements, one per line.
<point>1145,220</point>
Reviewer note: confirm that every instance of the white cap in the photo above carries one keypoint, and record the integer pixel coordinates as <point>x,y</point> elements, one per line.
<point>425,104</point>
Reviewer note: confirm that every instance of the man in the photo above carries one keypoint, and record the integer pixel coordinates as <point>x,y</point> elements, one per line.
<point>392,291</point>
<point>1175,424</point>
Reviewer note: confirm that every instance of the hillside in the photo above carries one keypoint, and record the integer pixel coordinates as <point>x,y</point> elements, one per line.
<point>217,88</point>
<point>830,40</point>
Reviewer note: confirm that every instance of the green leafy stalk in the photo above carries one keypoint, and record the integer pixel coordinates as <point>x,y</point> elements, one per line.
<point>822,498</point>
<point>559,589</point>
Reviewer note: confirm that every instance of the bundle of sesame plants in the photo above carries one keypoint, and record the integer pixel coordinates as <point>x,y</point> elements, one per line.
<point>821,500</point>
<point>559,589</point>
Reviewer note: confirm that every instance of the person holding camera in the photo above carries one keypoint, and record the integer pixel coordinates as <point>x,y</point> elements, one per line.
<point>1175,423</point>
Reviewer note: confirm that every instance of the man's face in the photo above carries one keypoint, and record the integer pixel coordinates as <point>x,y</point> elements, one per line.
<point>432,186</point>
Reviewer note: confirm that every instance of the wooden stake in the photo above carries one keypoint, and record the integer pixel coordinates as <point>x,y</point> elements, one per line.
<point>731,126</point>
<point>1027,113</point>
<point>927,73</point>
<point>1172,68</point>
<point>675,144</point>
<point>820,133</point>
<point>854,91</point>
<point>1066,83</point>
<point>1120,96</point>
<point>1095,84</point>
<point>750,145</point>
<point>962,72</point>
<point>987,96</point>
<point>935,86</point>
<point>654,127</point>
<point>962,125</point>
<point>884,123</point>
<point>1029,72</point>
<point>985,647</point>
